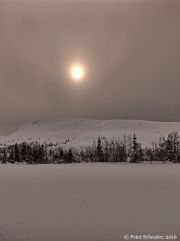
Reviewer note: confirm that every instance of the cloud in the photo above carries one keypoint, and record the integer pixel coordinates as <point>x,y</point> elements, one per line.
<point>131,50</point>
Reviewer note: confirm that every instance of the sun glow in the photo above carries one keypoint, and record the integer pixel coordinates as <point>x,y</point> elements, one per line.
<point>77,72</point>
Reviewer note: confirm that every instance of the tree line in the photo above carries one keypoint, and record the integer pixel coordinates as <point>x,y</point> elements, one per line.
<point>126,149</point>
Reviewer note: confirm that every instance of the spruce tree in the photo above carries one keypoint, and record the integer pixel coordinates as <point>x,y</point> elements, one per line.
<point>135,147</point>
<point>99,151</point>
<point>4,156</point>
<point>29,154</point>
<point>70,156</point>
<point>24,152</point>
<point>172,144</point>
<point>16,153</point>
<point>140,153</point>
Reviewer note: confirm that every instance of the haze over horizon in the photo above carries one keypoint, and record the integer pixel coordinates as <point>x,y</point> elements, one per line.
<point>130,50</point>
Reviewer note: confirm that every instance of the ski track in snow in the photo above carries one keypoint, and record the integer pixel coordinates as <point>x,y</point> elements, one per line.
<point>5,235</point>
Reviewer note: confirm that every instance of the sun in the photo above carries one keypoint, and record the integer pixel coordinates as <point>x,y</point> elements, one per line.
<point>77,72</point>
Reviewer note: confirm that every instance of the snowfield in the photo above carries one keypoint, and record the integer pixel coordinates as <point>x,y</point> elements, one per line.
<point>80,132</point>
<point>88,202</point>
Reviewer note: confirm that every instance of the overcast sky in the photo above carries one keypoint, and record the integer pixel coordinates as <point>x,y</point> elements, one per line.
<point>131,50</point>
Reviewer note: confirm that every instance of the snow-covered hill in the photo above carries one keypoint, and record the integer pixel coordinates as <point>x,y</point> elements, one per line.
<point>78,132</point>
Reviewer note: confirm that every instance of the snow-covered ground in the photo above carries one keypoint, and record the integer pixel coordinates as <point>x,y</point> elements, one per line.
<point>78,132</point>
<point>88,202</point>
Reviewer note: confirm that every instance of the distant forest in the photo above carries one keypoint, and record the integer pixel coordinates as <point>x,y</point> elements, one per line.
<point>126,149</point>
